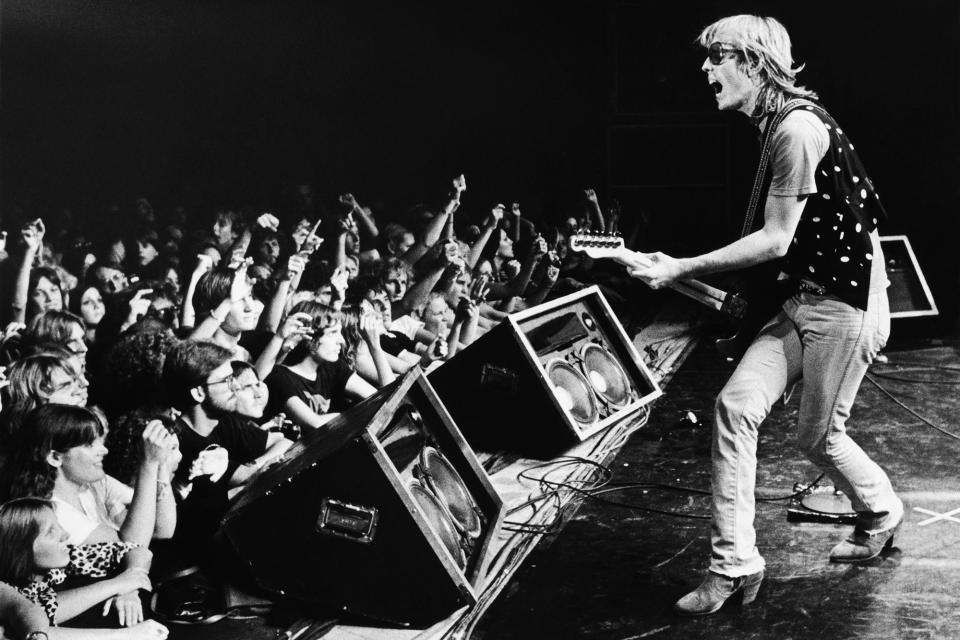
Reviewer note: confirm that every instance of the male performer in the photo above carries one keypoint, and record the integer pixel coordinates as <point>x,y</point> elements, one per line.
<point>820,216</point>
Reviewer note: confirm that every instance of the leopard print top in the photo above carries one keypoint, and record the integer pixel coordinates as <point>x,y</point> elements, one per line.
<point>93,560</point>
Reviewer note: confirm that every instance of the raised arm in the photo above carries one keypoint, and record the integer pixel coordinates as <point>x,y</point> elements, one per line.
<point>294,329</point>
<point>489,224</point>
<point>277,306</point>
<point>596,215</point>
<point>518,286</point>
<point>239,289</point>
<point>139,525</point>
<point>417,295</point>
<point>188,316</point>
<point>365,223</point>
<point>32,234</point>
<point>550,274</point>
<point>372,328</point>
<point>436,225</point>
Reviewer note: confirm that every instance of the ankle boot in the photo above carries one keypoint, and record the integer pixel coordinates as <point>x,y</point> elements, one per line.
<point>715,590</point>
<point>862,546</point>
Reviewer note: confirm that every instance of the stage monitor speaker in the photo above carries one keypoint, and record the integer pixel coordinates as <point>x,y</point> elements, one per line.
<point>384,512</point>
<point>908,291</point>
<point>546,378</point>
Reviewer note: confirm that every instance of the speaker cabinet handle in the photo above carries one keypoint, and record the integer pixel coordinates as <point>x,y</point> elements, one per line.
<point>348,521</point>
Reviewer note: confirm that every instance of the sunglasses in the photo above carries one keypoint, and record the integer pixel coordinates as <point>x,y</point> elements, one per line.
<point>717,52</point>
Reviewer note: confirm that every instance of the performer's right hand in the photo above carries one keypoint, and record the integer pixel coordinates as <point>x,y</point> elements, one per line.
<point>661,271</point>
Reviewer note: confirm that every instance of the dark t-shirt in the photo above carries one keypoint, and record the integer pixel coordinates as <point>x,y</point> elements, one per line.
<point>255,342</point>
<point>242,439</point>
<point>198,516</point>
<point>394,343</point>
<point>322,395</point>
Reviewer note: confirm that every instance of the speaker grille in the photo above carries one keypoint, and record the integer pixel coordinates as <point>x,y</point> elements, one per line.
<point>573,391</point>
<point>439,520</point>
<point>447,485</point>
<point>605,375</point>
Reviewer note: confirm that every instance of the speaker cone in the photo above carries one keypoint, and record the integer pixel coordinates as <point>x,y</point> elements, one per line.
<point>447,485</point>
<point>573,391</point>
<point>605,374</point>
<point>438,519</point>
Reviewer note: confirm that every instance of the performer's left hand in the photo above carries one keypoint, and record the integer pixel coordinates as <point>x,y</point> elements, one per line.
<point>661,271</point>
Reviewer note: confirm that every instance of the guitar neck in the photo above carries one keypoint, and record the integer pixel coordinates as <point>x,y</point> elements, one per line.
<point>694,289</point>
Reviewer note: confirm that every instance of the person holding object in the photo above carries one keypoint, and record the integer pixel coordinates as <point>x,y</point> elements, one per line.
<point>820,219</point>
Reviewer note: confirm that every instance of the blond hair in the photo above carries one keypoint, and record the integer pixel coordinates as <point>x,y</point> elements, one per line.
<point>765,45</point>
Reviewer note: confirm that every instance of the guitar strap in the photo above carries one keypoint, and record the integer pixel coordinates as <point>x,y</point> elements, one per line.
<point>764,164</point>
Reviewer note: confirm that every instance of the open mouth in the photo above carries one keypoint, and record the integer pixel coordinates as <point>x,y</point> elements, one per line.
<point>717,87</point>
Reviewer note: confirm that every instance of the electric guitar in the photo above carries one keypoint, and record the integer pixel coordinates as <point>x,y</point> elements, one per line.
<point>750,318</point>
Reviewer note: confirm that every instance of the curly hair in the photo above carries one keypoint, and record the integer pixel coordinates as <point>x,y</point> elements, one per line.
<point>52,427</point>
<point>392,265</point>
<point>20,522</point>
<point>322,317</point>
<point>125,442</point>
<point>350,319</point>
<point>132,372</point>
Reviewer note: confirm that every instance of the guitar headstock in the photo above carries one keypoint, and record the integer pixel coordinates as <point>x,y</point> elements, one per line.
<point>597,245</point>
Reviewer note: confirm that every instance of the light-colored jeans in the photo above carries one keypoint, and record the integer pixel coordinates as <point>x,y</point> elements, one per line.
<point>828,344</point>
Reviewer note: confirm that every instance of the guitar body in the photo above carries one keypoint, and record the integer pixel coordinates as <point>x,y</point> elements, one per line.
<point>766,296</point>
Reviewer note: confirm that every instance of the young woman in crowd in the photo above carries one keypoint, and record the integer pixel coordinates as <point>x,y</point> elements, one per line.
<point>35,557</point>
<point>87,303</point>
<point>58,454</point>
<point>315,381</point>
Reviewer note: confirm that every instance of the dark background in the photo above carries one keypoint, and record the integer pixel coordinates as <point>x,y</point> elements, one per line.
<point>206,102</point>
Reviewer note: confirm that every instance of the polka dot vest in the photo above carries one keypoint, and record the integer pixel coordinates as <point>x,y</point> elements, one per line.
<point>832,244</point>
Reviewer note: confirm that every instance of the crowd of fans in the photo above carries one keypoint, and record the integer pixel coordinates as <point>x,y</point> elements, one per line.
<point>153,369</point>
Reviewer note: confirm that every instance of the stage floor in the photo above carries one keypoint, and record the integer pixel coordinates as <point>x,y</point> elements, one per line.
<point>614,571</point>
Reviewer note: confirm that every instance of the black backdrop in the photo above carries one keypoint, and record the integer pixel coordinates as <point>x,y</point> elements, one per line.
<point>227,101</point>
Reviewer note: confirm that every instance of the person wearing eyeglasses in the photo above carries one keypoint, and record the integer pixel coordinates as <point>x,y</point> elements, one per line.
<point>250,391</point>
<point>221,450</point>
<point>46,377</point>
<point>819,220</point>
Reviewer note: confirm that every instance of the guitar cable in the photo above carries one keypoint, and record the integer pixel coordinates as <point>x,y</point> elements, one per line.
<point>908,409</point>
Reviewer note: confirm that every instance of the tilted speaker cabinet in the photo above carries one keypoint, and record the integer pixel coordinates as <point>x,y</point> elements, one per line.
<point>546,378</point>
<point>384,512</point>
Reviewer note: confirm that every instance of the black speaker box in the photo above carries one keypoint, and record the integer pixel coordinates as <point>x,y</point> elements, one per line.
<point>908,292</point>
<point>384,512</point>
<point>546,378</point>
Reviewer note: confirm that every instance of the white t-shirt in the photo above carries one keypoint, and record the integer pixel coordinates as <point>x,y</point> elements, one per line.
<point>104,502</point>
<point>407,325</point>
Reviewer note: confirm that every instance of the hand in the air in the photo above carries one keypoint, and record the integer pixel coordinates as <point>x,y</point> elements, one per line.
<point>349,200</point>
<point>32,234</point>
<point>660,272</point>
<point>295,266</point>
<point>496,215</point>
<point>268,221</point>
